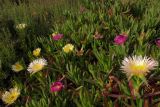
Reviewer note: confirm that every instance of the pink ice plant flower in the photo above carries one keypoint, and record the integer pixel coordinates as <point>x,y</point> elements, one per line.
<point>56,86</point>
<point>120,39</point>
<point>57,36</point>
<point>157,41</point>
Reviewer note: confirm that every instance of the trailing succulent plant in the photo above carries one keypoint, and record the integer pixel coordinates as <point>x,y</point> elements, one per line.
<point>80,53</point>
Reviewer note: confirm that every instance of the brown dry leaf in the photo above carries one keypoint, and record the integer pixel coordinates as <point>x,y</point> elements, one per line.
<point>80,52</point>
<point>146,103</point>
<point>110,12</point>
<point>97,35</point>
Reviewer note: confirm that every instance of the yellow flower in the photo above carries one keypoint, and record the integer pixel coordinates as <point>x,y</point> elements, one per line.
<point>68,48</point>
<point>138,65</point>
<point>37,65</point>
<point>36,52</point>
<point>10,96</point>
<point>17,67</point>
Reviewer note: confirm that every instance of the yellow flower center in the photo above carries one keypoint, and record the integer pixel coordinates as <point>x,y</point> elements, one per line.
<point>11,98</point>
<point>53,34</point>
<point>67,49</point>
<point>37,67</point>
<point>18,67</point>
<point>139,69</point>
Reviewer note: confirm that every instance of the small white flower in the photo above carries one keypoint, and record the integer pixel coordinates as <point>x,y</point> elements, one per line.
<point>138,65</point>
<point>21,26</point>
<point>37,65</point>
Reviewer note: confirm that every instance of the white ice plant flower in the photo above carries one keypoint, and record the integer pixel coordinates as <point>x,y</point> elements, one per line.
<point>21,26</point>
<point>138,65</point>
<point>37,65</point>
<point>9,97</point>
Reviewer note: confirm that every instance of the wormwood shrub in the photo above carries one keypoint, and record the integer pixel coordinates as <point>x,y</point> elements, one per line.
<point>85,53</point>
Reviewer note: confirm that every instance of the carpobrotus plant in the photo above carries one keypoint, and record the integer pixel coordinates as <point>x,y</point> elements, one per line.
<point>138,65</point>
<point>17,67</point>
<point>68,48</point>
<point>56,36</point>
<point>21,26</point>
<point>37,52</point>
<point>37,65</point>
<point>10,96</point>
<point>80,53</point>
<point>120,39</point>
<point>136,68</point>
<point>157,41</point>
<point>56,86</point>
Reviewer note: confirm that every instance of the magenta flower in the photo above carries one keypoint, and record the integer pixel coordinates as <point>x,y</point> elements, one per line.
<point>120,39</point>
<point>57,36</point>
<point>157,41</point>
<point>56,86</point>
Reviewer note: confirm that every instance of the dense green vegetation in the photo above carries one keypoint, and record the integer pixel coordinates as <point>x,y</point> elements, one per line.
<point>91,73</point>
